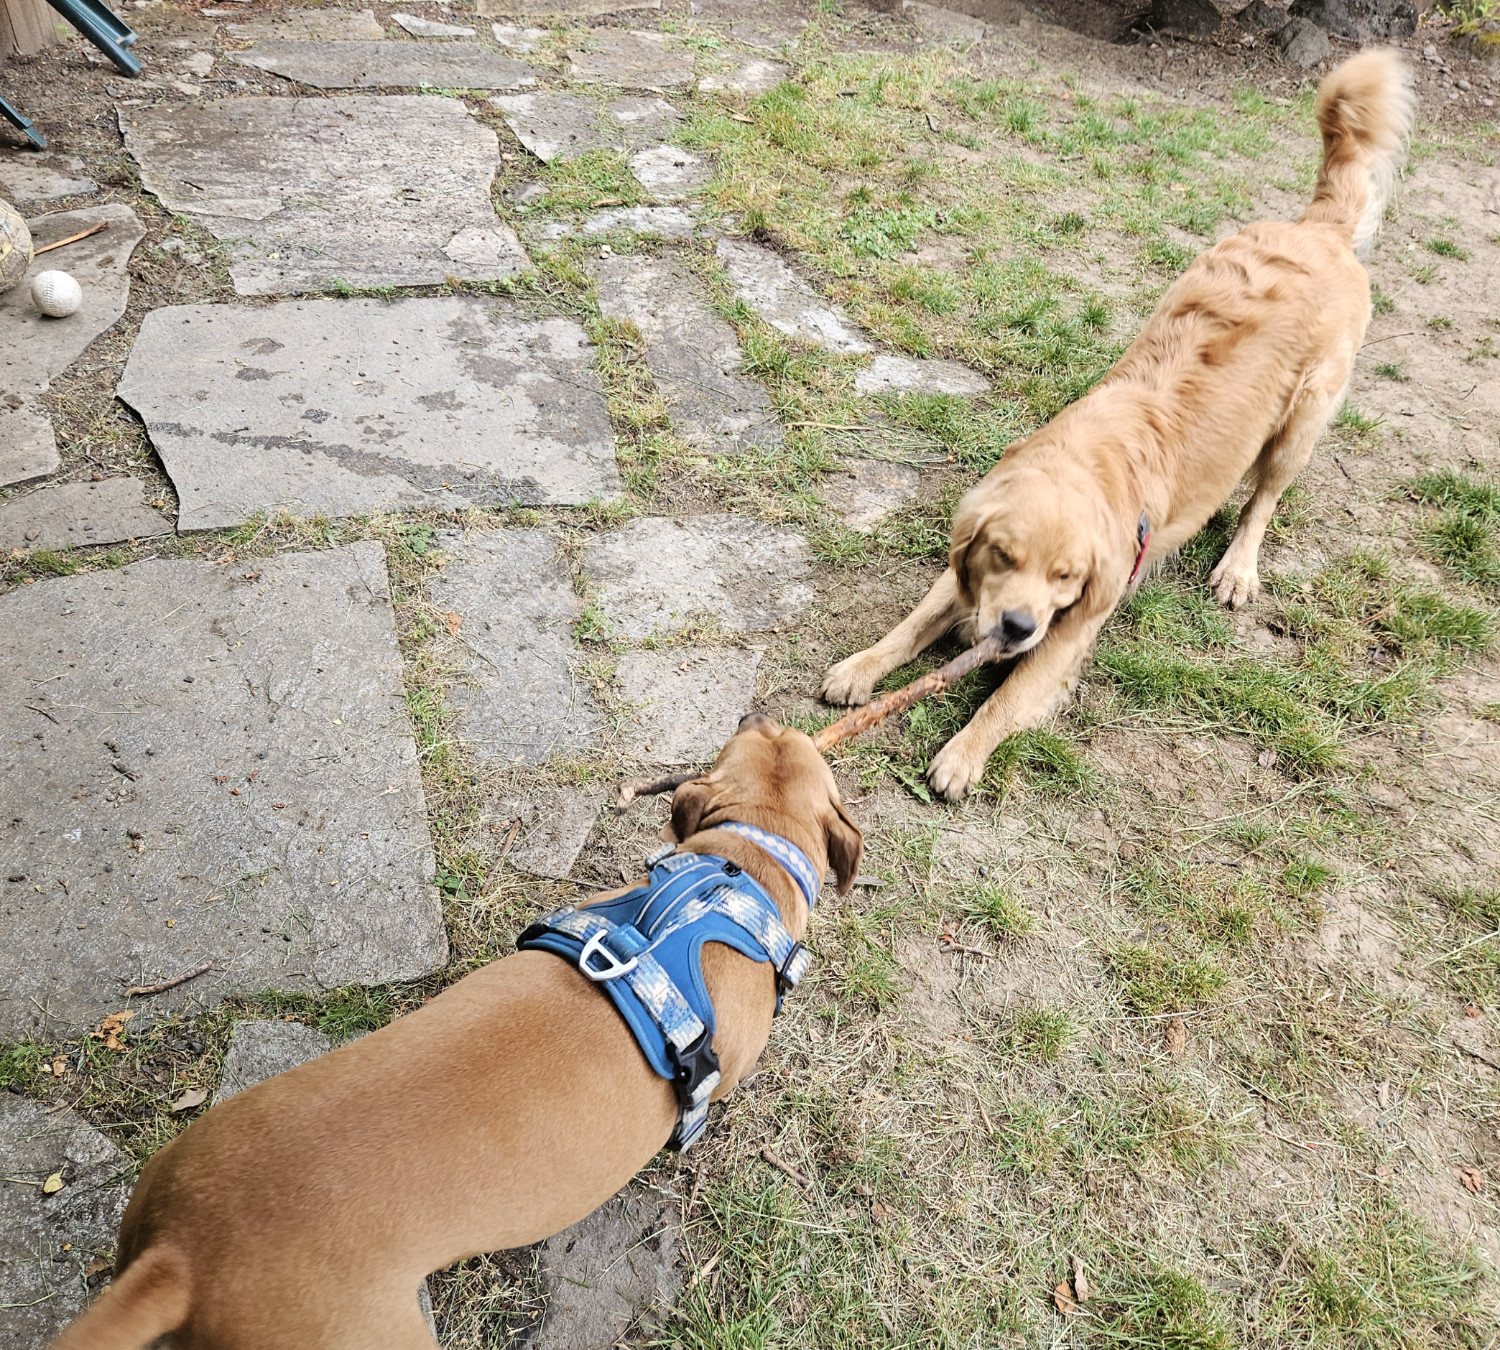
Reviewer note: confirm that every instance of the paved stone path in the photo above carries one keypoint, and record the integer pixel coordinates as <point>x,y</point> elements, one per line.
<point>77,514</point>
<point>320,25</point>
<point>27,177</point>
<point>631,60</point>
<point>563,126</point>
<point>765,282</point>
<point>394,64</point>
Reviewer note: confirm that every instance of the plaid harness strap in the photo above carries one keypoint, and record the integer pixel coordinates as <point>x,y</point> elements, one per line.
<point>644,949</point>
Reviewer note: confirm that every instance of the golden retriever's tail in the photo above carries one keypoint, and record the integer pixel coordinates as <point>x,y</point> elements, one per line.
<point>1365,110</point>
<point>149,1299</point>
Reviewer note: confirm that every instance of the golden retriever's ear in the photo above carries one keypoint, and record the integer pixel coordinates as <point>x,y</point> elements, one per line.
<point>846,845</point>
<point>690,804</point>
<point>966,523</point>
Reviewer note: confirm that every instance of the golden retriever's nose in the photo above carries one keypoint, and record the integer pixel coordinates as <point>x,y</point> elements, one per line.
<point>757,722</point>
<point>1016,624</point>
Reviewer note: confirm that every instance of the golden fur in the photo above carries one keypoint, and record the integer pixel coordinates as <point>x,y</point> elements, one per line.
<point>1234,376</point>
<point>305,1211</point>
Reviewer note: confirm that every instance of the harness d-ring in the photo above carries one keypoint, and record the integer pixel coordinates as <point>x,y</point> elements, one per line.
<point>595,947</point>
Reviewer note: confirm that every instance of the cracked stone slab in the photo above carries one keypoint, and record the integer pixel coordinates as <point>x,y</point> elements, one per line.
<point>28,446</point>
<point>685,702</point>
<point>314,25</point>
<point>563,126</point>
<point>348,406</point>
<point>753,75</point>
<point>221,771</point>
<point>906,373</point>
<point>943,25</point>
<point>512,594</point>
<point>306,192</point>
<point>31,177</point>
<point>50,1245</point>
<point>609,1270</point>
<point>632,60</point>
<point>658,574</point>
<point>387,64</point>
<point>768,35</point>
<point>666,222</point>
<point>865,491</point>
<point>693,355</point>
<point>76,514</point>
<point>518,39</point>
<point>260,1049</point>
<point>669,173</point>
<point>431,28</point>
<point>763,281</point>
<point>552,828</point>
<point>561,9</point>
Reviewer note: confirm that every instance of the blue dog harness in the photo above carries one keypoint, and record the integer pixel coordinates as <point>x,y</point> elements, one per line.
<point>645,951</point>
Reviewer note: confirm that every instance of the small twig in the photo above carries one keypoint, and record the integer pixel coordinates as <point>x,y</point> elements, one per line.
<point>632,788</point>
<point>136,990</point>
<point>948,945</point>
<point>515,829</point>
<point>770,1156</point>
<point>44,713</point>
<point>71,239</point>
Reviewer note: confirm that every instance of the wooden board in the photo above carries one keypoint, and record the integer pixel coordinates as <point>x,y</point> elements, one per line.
<point>26,26</point>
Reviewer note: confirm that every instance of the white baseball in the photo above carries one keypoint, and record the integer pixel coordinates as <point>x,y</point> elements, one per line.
<point>56,294</point>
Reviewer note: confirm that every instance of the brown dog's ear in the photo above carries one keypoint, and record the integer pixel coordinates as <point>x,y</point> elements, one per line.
<point>966,522</point>
<point>689,805</point>
<point>846,845</point>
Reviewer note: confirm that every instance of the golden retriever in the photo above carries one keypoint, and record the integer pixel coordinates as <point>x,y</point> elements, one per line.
<point>1235,376</point>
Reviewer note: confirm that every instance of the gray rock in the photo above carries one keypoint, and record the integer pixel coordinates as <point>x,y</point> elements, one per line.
<point>562,9</point>
<point>558,126</point>
<point>772,34</point>
<point>763,281</point>
<point>865,491</point>
<point>1362,20</point>
<point>260,1049</point>
<point>349,406</point>
<point>944,25</point>
<point>307,192</point>
<point>1303,43</point>
<point>669,174</point>
<point>1260,17</point>
<point>316,25</point>
<point>33,348</point>
<point>514,597</point>
<point>692,354</point>
<point>684,702</point>
<point>30,177</point>
<point>666,222</point>
<point>76,514</point>
<point>609,1270</point>
<point>658,574</point>
<point>28,447</point>
<point>50,1243</point>
<point>752,75</point>
<point>905,373</point>
<point>632,60</point>
<point>644,119</point>
<point>1197,18</point>
<point>387,65</point>
<point>207,764</point>
<point>430,28</point>
<point>521,40</point>
<point>552,829</point>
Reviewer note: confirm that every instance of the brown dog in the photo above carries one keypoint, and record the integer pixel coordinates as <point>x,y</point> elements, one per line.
<point>1235,375</point>
<point>303,1213</point>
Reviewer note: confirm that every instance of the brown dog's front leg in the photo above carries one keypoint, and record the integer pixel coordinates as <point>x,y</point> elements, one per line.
<point>853,680</point>
<point>1036,686</point>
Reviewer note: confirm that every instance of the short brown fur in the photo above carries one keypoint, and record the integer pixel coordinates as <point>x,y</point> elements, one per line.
<point>1234,377</point>
<point>305,1211</point>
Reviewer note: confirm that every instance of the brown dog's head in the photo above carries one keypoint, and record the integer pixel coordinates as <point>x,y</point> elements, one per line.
<point>772,776</point>
<point>1028,545</point>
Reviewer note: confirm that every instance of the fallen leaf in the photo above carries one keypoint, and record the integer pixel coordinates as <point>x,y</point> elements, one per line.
<point>1266,759</point>
<point>1383,1094</point>
<point>189,1099</point>
<point>740,117</point>
<point>880,1211</point>
<point>1473,1179</point>
<point>53,1184</point>
<point>455,621</point>
<point>1382,1169</point>
<point>59,1066</point>
<point>609,201</point>
<point>1081,1288</point>
<point>96,1267</point>
<point>110,1028</point>
<point>1472,1011</point>
<point>1067,1305</point>
<point>1176,1038</point>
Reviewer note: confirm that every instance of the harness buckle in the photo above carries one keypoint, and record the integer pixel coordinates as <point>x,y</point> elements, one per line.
<point>615,967</point>
<point>789,974</point>
<point>695,1070</point>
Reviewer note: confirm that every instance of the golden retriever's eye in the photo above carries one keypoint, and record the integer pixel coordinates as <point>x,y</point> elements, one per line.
<point>1003,558</point>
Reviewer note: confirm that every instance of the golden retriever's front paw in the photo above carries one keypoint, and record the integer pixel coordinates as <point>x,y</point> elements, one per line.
<point>851,681</point>
<point>955,770</point>
<point>1233,583</point>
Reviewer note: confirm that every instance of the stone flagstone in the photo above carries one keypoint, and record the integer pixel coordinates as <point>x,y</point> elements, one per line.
<point>684,702</point>
<point>763,281</point>
<point>669,173</point>
<point>667,222</point>
<point>306,192</point>
<point>563,126</point>
<point>609,1269</point>
<point>515,605</point>
<point>693,355</point>
<point>387,64</point>
<point>204,764</point>
<point>887,372</point>
<point>865,491</point>
<point>75,514</point>
<point>632,60</point>
<point>430,28</point>
<point>50,1245</point>
<point>260,1049</point>
<point>658,574</point>
<point>768,35</point>
<point>28,447</point>
<point>943,25</point>
<point>317,25</point>
<point>752,75</point>
<point>29,177</point>
<point>551,827</point>
<point>349,406</point>
<point>522,40</point>
<point>561,9</point>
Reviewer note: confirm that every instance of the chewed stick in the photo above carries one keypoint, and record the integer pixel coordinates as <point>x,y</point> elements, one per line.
<point>936,681</point>
<point>72,238</point>
<point>851,724</point>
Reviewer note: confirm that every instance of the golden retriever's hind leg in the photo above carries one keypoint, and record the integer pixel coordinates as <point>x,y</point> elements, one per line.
<point>853,680</point>
<point>1236,580</point>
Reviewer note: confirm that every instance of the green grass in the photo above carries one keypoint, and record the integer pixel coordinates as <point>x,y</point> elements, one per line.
<point>1446,248</point>
<point>1464,536</point>
<point>999,912</point>
<point>1153,981</point>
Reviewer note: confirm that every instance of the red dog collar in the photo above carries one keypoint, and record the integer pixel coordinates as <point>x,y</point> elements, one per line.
<point>1143,542</point>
